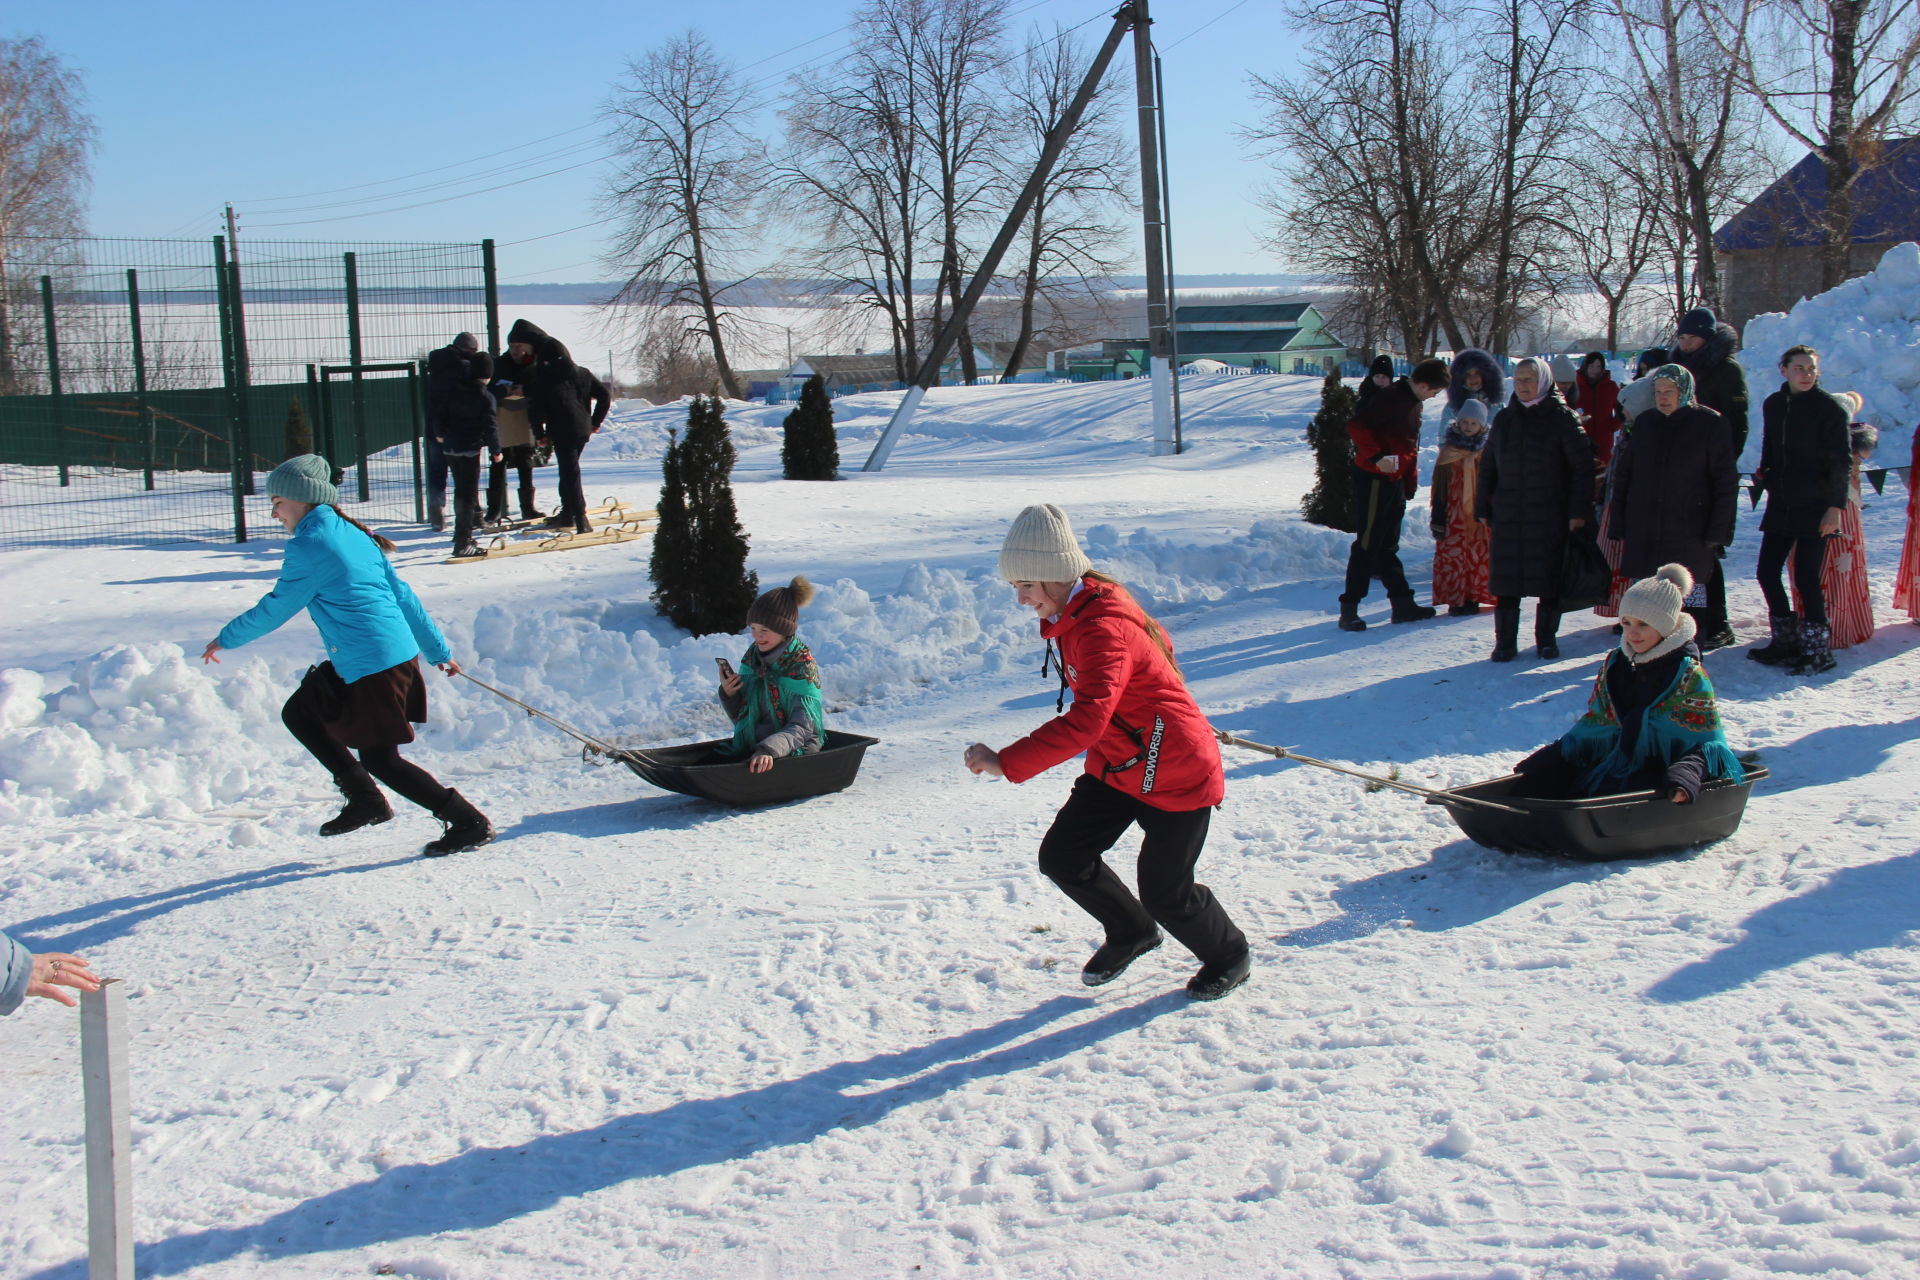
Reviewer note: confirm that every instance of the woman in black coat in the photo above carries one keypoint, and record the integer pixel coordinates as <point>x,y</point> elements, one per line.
<point>1806,459</point>
<point>1675,484</point>
<point>1536,485</point>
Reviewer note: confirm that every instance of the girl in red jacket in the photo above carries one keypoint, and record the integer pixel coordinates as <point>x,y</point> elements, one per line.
<point>1152,759</point>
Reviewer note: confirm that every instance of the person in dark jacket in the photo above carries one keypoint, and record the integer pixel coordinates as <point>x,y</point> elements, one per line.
<point>1651,721</point>
<point>1152,761</point>
<point>1379,378</point>
<point>1536,486</point>
<point>566,405</point>
<point>446,370</point>
<point>464,428</point>
<point>1675,487</point>
<point>1386,452</point>
<point>1705,346</point>
<point>516,442</point>
<point>1806,458</point>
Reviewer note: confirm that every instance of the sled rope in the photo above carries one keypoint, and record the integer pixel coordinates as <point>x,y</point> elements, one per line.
<point>593,744</point>
<point>1436,796</point>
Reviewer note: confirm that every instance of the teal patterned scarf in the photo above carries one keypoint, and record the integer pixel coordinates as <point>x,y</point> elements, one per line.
<point>775,687</point>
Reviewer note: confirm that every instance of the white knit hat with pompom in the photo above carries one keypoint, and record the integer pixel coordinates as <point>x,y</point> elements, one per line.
<point>1657,601</point>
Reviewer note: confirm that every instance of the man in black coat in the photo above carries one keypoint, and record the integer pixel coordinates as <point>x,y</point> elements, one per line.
<point>566,405</point>
<point>1705,347</point>
<point>1675,486</point>
<point>1806,461</point>
<point>446,373</point>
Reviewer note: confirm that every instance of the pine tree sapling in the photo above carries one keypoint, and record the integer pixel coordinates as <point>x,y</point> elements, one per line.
<point>810,450</point>
<point>700,575</point>
<point>299,433</point>
<point>1330,502</point>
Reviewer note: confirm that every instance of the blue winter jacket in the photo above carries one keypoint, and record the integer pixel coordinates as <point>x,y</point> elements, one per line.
<point>368,618</point>
<point>16,971</point>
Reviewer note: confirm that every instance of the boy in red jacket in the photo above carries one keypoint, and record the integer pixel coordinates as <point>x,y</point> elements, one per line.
<point>1152,759</point>
<point>1386,450</point>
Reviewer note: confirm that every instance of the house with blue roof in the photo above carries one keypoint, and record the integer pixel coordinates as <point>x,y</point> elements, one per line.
<point>1770,251</point>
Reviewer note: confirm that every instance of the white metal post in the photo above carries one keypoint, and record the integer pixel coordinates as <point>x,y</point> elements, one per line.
<point>103,1069</point>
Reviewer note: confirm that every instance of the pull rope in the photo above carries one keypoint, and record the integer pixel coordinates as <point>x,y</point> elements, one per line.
<point>592,744</point>
<point>1435,796</point>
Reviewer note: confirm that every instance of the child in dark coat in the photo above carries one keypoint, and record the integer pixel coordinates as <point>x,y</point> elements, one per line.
<point>774,700</point>
<point>1651,722</point>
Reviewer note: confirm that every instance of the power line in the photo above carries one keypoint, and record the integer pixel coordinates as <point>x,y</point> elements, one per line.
<point>1203,26</point>
<point>406,177</point>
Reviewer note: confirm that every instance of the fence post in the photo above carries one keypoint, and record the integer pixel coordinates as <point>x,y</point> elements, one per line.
<point>103,1069</point>
<point>359,394</point>
<point>235,460</point>
<point>53,377</point>
<point>140,372</point>
<point>414,372</point>
<point>318,415</point>
<point>491,274</point>
<point>242,370</point>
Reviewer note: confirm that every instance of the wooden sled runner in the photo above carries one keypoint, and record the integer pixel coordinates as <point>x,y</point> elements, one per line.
<point>1634,824</point>
<point>681,769</point>
<point>833,768</point>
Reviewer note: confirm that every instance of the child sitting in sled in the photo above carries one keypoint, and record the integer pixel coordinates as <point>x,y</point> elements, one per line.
<point>1651,722</point>
<point>774,699</point>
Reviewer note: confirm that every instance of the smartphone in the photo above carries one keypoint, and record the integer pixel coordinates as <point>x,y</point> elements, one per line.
<point>726,668</point>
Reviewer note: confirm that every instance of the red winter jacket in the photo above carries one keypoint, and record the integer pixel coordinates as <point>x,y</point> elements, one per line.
<point>1132,714</point>
<point>1388,424</point>
<point>1599,410</point>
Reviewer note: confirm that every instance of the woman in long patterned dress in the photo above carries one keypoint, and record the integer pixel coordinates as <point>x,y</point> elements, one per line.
<point>1461,542</point>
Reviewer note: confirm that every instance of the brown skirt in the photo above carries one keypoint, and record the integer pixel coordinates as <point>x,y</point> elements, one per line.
<point>380,710</point>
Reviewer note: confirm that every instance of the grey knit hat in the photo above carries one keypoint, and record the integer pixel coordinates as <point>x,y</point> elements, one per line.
<point>1472,409</point>
<point>307,478</point>
<point>1657,601</point>
<point>1040,547</point>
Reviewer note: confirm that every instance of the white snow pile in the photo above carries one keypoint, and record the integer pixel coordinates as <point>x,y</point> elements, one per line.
<point>1867,332</point>
<point>143,730</point>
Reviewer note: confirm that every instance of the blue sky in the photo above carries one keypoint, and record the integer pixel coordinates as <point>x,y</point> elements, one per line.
<point>301,115</point>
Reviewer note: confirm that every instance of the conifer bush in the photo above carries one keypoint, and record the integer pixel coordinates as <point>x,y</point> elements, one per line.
<point>298,433</point>
<point>810,450</point>
<point>700,577</point>
<point>1330,502</point>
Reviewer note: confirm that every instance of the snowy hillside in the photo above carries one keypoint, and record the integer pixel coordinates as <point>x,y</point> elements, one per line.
<point>641,1036</point>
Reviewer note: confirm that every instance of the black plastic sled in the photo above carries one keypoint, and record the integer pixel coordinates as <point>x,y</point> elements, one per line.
<point>832,768</point>
<point>1633,824</point>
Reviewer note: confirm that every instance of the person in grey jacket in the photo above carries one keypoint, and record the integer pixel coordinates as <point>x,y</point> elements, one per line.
<point>24,974</point>
<point>775,702</point>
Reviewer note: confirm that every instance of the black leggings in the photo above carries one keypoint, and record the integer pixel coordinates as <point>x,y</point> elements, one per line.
<point>1091,822</point>
<point>1807,553</point>
<point>403,777</point>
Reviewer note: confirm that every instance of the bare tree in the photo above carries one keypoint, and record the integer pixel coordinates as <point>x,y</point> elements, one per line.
<point>1687,71</point>
<point>1615,229</point>
<point>1837,76</point>
<point>46,145</point>
<point>682,201</point>
<point>1071,244</point>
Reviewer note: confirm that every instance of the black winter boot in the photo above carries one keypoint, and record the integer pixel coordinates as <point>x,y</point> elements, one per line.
<point>467,827</point>
<point>583,525</point>
<point>1406,610</point>
<point>1216,980</point>
<point>366,806</point>
<point>527,510</point>
<point>1816,650</point>
<point>1783,649</point>
<point>1112,959</point>
<point>1506,633</point>
<point>1466,610</point>
<point>1350,619</point>
<point>1546,633</point>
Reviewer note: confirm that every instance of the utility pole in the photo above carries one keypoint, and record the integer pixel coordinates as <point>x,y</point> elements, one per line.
<point>1153,212</point>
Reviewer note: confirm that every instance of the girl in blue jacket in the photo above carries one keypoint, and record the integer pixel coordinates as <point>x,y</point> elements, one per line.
<point>369,693</point>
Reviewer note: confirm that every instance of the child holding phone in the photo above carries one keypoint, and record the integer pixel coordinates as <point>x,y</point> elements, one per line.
<point>775,702</point>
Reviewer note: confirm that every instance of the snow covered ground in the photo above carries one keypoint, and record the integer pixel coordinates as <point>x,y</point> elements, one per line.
<point>641,1036</point>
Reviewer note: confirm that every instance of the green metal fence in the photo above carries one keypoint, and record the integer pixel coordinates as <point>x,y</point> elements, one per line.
<point>146,386</point>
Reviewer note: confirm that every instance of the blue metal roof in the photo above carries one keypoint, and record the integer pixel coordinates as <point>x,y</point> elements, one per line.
<point>1886,204</point>
<point>1273,313</point>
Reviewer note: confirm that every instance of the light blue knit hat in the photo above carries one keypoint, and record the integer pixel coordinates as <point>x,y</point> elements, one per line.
<point>307,478</point>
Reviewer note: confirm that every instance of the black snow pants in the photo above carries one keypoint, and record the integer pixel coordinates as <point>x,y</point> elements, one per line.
<point>1379,504</point>
<point>1092,820</point>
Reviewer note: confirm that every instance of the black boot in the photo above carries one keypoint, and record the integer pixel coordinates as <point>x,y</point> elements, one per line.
<point>1546,632</point>
<point>1783,649</point>
<point>1816,650</point>
<point>583,525</point>
<point>1406,610</point>
<point>1350,619</point>
<point>437,517</point>
<point>467,827</point>
<point>1216,980</point>
<point>1466,610</point>
<point>366,806</point>
<point>1112,959</point>
<point>1506,632</point>
<point>527,510</point>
